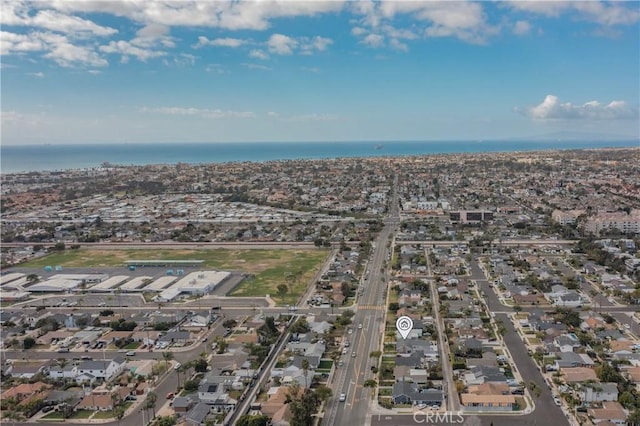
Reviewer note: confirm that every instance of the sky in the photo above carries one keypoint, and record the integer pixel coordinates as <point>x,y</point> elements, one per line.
<point>84,72</point>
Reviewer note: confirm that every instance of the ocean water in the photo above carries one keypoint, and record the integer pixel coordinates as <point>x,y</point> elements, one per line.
<point>28,158</point>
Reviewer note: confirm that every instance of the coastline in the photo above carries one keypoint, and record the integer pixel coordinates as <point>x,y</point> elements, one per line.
<point>47,157</point>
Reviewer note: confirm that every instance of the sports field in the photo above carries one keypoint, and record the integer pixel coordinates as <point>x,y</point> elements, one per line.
<point>269,268</point>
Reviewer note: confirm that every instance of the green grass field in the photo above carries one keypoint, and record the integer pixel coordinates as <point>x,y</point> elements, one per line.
<point>268,268</point>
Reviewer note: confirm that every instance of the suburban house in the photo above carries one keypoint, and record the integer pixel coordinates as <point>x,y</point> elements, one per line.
<point>611,411</point>
<point>92,370</point>
<point>475,402</point>
<point>213,390</point>
<point>409,393</point>
<point>598,392</point>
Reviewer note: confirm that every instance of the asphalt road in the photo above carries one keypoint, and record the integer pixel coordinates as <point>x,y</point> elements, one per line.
<point>371,310</point>
<point>546,412</point>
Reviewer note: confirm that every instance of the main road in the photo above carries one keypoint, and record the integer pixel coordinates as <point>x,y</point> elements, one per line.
<point>371,306</point>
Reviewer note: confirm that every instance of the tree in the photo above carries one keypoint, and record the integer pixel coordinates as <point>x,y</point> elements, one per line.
<point>200,365</point>
<point>305,370</point>
<point>230,323</point>
<point>282,291</point>
<point>167,356</point>
<point>324,392</point>
<point>118,413</point>
<point>166,421</point>
<point>179,370</point>
<point>150,402</point>
<point>300,326</point>
<point>634,418</point>
<point>191,385</point>
<point>302,410</point>
<point>28,342</point>
<point>32,278</point>
<point>59,246</point>
<point>248,420</point>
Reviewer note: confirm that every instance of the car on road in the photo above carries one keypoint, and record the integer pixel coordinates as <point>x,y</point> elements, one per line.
<point>557,401</point>
<point>345,351</point>
<point>130,353</point>
<point>350,331</point>
<point>353,354</point>
<point>359,326</point>
<point>177,366</point>
<point>170,395</point>
<point>340,363</point>
<point>343,397</point>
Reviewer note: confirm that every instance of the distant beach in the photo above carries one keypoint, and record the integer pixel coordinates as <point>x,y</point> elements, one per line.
<point>61,157</point>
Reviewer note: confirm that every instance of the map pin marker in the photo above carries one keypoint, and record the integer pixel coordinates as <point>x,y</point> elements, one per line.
<point>404,325</point>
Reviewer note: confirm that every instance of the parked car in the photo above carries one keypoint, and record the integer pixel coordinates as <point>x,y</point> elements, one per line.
<point>130,353</point>
<point>170,395</point>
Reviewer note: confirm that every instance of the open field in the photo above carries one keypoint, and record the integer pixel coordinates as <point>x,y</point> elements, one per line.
<point>267,268</point>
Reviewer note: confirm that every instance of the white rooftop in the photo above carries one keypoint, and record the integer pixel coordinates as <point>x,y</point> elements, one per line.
<point>134,284</point>
<point>10,277</point>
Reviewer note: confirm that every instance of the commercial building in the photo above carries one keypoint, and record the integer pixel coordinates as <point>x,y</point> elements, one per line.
<point>109,284</point>
<point>201,282</point>
<point>471,216</point>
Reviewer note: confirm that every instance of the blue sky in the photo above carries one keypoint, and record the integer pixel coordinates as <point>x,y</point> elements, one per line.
<point>82,72</point>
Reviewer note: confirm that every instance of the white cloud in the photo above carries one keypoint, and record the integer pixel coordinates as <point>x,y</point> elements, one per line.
<point>312,117</point>
<point>398,45</point>
<point>521,28</point>
<point>317,43</point>
<point>256,66</point>
<point>552,109</point>
<point>94,72</point>
<point>220,42</point>
<point>461,19</point>
<point>373,40</point>
<point>180,60</point>
<point>16,13</point>
<point>127,49</point>
<point>215,68</point>
<point>237,15</point>
<point>303,117</point>
<point>57,46</point>
<point>607,14</point>
<point>199,112</point>
<point>258,54</point>
<point>311,69</point>
<point>153,31</point>
<point>36,74</point>
<point>281,44</point>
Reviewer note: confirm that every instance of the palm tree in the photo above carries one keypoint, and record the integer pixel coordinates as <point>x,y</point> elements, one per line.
<point>168,356</point>
<point>118,413</point>
<point>152,397</point>
<point>179,370</point>
<point>305,369</point>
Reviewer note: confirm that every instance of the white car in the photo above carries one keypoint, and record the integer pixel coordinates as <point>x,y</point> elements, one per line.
<point>343,397</point>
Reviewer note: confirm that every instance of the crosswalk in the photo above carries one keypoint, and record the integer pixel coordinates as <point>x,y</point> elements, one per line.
<point>371,307</point>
